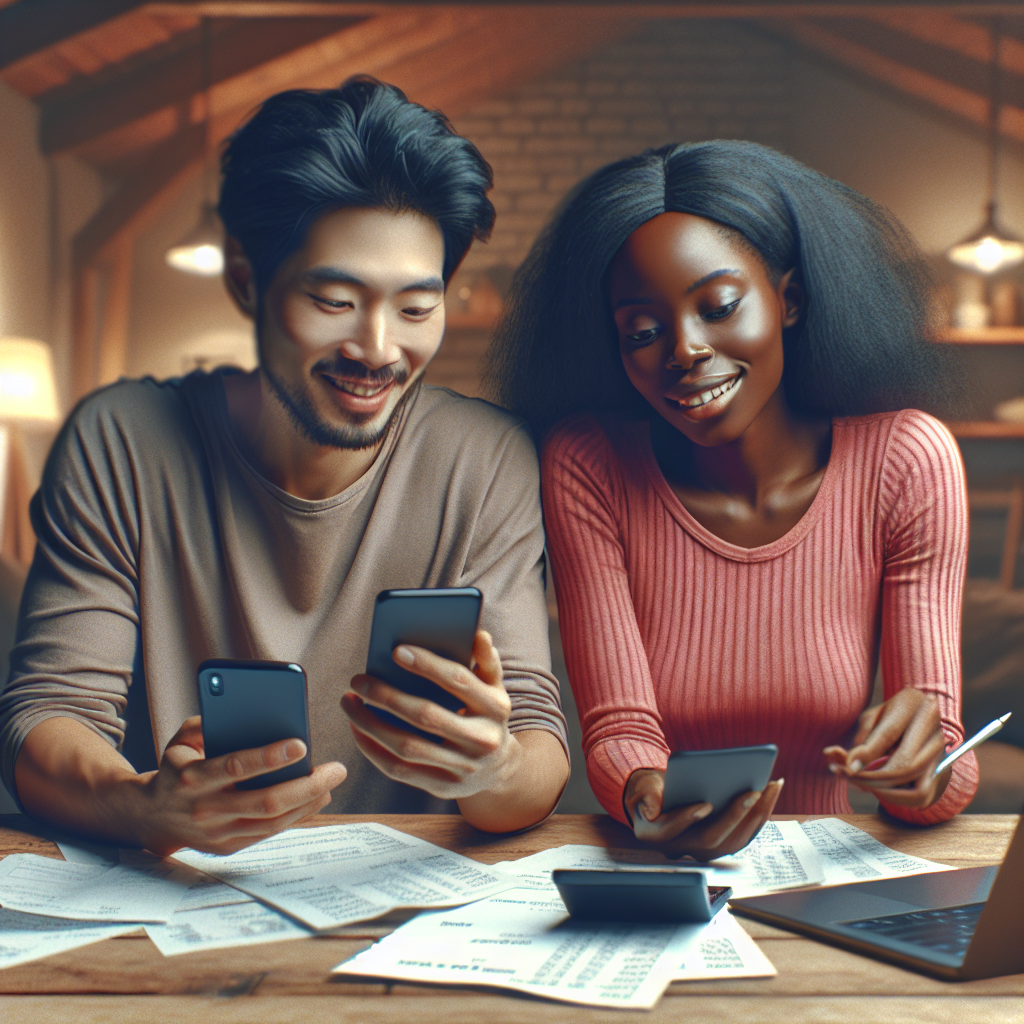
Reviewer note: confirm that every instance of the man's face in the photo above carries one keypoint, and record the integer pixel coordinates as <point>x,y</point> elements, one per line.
<point>350,321</point>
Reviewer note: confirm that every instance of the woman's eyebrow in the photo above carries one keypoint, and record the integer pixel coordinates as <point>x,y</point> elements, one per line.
<point>635,300</point>
<point>709,277</point>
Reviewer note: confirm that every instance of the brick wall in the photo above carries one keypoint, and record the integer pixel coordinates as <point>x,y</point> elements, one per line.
<point>674,81</point>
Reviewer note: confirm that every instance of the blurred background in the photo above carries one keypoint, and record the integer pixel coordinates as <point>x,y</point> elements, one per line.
<point>112,112</point>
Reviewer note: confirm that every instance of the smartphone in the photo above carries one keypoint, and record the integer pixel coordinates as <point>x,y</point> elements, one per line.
<point>716,776</point>
<point>647,894</point>
<point>247,704</point>
<point>442,620</point>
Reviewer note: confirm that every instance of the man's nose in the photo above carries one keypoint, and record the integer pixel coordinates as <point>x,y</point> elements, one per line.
<point>372,343</point>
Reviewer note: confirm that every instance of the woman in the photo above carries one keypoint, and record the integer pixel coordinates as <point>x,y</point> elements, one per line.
<point>744,508</point>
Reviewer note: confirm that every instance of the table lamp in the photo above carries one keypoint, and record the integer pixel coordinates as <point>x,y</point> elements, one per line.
<point>28,395</point>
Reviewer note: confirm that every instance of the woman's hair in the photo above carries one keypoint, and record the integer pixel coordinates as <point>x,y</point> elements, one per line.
<point>307,152</point>
<point>861,344</point>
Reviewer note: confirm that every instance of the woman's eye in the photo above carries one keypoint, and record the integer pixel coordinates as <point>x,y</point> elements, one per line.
<point>644,337</point>
<point>721,312</point>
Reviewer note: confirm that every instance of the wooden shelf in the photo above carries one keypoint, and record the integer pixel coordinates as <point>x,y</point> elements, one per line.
<point>986,428</point>
<point>983,336</point>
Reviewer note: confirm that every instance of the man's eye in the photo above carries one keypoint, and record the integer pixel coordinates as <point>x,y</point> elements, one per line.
<point>721,312</point>
<point>330,303</point>
<point>419,310</point>
<point>644,337</point>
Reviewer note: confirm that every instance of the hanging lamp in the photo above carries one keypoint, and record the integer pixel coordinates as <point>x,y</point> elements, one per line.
<point>201,251</point>
<point>991,248</point>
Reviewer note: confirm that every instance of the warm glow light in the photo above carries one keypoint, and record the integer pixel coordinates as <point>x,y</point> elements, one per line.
<point>205,259</point>
<point>988,254</point>
<point>200,251</point>
<point>27,389</point>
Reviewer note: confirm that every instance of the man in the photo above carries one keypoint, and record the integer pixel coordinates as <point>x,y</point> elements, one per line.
<point>257,516</point>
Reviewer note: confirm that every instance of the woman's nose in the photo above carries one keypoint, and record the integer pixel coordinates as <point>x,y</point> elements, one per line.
<point>688,351</point>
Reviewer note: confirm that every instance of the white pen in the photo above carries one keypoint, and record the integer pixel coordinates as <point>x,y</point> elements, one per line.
<point>976,740</point>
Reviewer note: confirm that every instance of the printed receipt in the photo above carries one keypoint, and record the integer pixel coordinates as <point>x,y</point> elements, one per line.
<point>146,890</point>
<point>340,874</point>
<point>781,857</point>
<point>849,854</point>
<point>25,937</point>
<point>523,940</point>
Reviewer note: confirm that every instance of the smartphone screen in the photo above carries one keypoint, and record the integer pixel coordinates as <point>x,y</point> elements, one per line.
<point>442,620</point>
<point>248,704</point>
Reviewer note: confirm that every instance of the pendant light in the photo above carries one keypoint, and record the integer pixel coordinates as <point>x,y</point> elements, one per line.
<point>201,251</point>
<point>991,248</point>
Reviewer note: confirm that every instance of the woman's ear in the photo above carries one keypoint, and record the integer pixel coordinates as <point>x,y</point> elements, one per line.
<point>239,278</point>
<point>791,298</point>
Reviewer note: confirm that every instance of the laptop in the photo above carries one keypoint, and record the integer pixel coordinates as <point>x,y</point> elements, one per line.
<point>960,924</point>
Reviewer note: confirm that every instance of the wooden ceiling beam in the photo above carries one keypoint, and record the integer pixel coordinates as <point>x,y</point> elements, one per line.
<point>503,52</point>
<point>29,26</point>
<point>368,45</point>
<point>949,98</point>
<point>958,35</point>
<point>939,62</point>
<point>142,195</point>
<point>75,115</point>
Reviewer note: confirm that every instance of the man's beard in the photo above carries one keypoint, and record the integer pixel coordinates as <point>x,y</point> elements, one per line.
<point>350,436</point>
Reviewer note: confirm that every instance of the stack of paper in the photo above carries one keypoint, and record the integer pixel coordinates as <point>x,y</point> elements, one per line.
<point>328,877</point>
<point>523,940</point>
<point>781,857</point>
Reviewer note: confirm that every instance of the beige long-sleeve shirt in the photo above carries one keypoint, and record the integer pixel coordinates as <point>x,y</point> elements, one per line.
<point>160,546</point>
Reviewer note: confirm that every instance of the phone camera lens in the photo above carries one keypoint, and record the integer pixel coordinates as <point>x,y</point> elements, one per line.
<point>216,686</point>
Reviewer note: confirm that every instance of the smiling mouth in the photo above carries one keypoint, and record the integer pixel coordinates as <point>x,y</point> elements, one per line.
<point>360,389</point>
<point>704,397</point>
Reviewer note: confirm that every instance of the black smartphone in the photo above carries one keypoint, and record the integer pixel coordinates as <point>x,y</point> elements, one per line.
<point>248,704</point>
<point>716,776</point>
<point>442,620</point>
<point>648,894</point>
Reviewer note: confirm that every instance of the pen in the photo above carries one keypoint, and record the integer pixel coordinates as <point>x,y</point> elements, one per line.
<point>976,740</point>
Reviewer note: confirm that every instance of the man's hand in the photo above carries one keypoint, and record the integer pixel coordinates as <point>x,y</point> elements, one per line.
<point>895,751</point>
<point>480,763</point>
<point>194,802</point>
<point>693,830</point>
<point>69,775</point>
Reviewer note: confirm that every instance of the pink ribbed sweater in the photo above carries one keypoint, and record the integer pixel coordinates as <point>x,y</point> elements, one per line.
<point>675,639</point>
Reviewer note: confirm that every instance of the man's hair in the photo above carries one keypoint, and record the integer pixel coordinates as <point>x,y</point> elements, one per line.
<point>861,345</point>
<point>307,152</point>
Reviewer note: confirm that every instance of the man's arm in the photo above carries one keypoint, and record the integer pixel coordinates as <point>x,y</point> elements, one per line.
<point>503,781</point>
<point>69,775</point>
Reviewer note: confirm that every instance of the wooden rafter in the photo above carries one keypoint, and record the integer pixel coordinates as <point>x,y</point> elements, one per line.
<point>368,46</point>
<point>958,35</point>
<point>952,99</point>
<point>72,116</point>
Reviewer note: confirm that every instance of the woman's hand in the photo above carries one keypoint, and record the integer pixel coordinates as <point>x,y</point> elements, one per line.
<point>895,751</point>
<point>693,830</point>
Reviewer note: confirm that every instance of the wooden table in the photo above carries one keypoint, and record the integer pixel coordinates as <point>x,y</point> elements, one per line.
<point>126,979</point>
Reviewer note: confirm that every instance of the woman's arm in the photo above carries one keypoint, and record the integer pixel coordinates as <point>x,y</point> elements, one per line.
<point>604,653</point>
<point>922,588</point>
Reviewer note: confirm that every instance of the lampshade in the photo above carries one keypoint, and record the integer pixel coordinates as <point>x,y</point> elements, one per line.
<point>27,389</point>
<point>990,249</point>
<point>201,251</point>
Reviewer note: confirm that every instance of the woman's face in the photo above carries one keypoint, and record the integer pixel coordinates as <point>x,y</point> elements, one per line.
<point>700,325</point>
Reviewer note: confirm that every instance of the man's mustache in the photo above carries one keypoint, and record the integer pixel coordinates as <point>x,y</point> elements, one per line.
<point>340,366</point>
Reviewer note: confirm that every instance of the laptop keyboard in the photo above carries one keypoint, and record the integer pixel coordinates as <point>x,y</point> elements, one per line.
<point>947,930</point>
